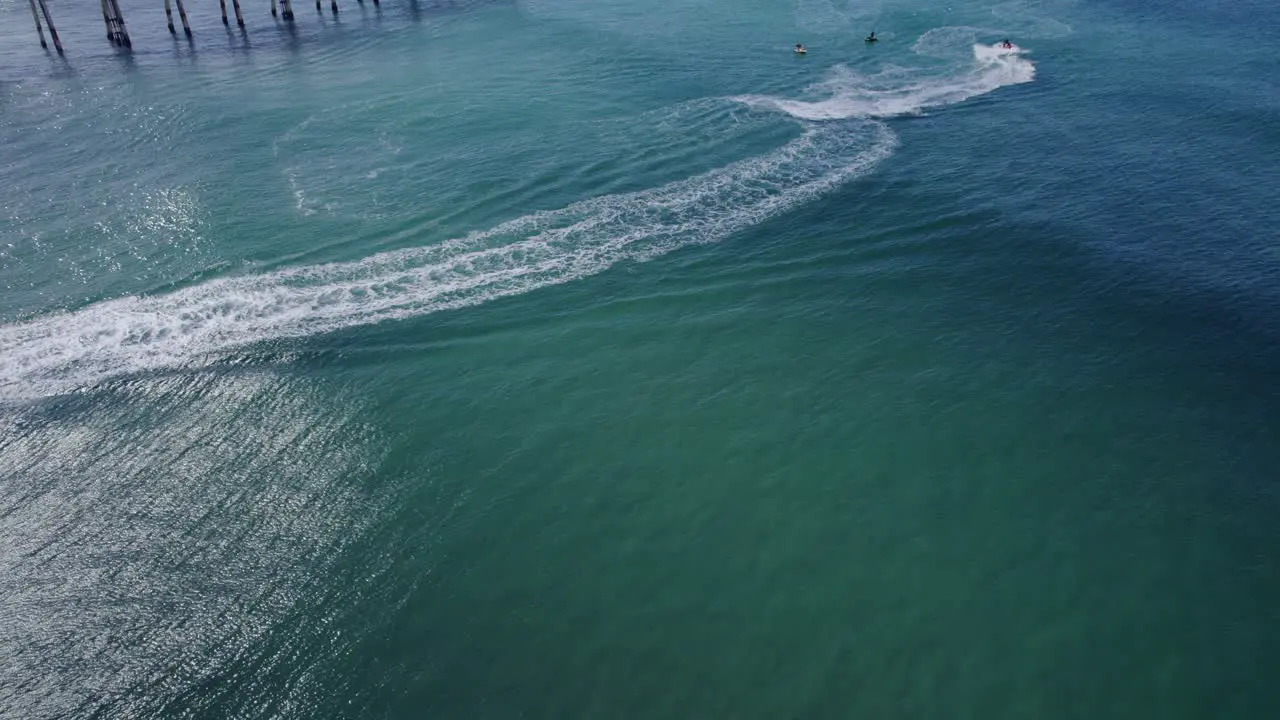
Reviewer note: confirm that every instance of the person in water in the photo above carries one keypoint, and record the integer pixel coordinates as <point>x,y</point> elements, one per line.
<point>872,36</point>
<point>799,48</point>
<point>1007,45</point>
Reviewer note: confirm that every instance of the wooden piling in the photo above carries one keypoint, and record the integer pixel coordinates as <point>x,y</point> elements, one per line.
<point>333,6</point>
<point>182,13</point>
<point>168,14</point>
<point>273,9</point>
<point>286,10</point>
<point>35,14</point>
<point>53,31</point>
<point>116,31</point>
<point>222,5</point>
<point>239,17</point>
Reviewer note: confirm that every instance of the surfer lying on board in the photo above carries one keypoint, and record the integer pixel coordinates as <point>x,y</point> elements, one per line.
<point>872,37</point>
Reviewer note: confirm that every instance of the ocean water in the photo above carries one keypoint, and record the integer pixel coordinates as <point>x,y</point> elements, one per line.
<point>551,359</point>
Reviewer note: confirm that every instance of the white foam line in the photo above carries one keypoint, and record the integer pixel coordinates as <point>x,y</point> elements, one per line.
<point>61,352</point>
<point>856,97</point>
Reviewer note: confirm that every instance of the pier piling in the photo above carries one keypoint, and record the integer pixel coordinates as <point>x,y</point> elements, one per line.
<point>35,14</point>
<point>182,13</point>
<point>116,31</point>
<point>53,31</point>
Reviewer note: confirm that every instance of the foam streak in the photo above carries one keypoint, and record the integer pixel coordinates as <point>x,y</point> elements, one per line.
<point>858,97</point>
<point>65,351</point>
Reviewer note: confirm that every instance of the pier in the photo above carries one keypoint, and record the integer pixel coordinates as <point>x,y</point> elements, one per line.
<point>182,12</point>
<point>118,33</point>
<point>48,20</point>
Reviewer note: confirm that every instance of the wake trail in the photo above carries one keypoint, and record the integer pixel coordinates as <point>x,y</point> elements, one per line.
<point>61,352</point>
<point>902,92</point>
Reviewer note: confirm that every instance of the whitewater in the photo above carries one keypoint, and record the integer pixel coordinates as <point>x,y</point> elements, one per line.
<point>841,136</point>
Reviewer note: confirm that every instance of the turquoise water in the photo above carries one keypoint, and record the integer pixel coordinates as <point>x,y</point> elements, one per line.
<point>557,359</point>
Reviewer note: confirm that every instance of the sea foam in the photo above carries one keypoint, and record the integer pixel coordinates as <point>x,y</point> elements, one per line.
<point>61,352</point>
<point>64,351</point>
<point>896,92</point>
